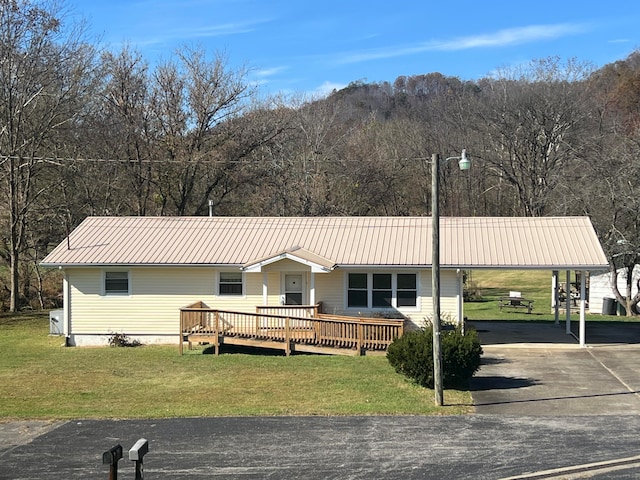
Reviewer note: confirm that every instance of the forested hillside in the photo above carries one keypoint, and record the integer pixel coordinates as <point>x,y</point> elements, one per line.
<point>90,132</point>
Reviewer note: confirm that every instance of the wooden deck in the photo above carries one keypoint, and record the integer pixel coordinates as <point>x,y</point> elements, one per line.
<point>309,331</point>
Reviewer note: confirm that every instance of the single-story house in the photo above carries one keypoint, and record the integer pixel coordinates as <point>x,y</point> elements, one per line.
<point>132,275</point>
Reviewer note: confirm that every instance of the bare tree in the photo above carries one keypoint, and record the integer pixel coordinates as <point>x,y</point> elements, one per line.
<point>45,70</point>
<point>607,182</point>
<point>529,122</point>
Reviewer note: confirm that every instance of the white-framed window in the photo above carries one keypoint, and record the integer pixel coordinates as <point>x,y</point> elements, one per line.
<point>230,283</point>
<point>116,282</point>
<point>382,290</point>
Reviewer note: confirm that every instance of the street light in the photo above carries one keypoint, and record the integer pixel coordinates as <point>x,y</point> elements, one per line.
<point>464,164</point>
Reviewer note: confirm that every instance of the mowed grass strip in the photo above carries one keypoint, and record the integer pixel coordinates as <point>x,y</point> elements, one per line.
<point>40,379</point>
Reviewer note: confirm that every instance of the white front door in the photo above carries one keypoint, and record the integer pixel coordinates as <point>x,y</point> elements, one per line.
<point>293,289</point>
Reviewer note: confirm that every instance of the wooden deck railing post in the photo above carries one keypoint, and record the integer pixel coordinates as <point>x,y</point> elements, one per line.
<point>287,337</point>
<point>216,334</point>
<point>360,336</point>
<point>180,346</point>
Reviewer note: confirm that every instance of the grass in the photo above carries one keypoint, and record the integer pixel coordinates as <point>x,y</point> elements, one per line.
<point>40,379</point>
<point>490,285</point>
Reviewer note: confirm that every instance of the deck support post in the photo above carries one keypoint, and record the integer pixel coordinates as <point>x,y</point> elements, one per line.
<point>360,334</point>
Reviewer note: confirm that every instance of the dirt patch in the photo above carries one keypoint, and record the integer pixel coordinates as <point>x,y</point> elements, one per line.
<point>20,432</point>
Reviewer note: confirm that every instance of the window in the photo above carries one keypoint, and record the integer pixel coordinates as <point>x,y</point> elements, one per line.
<point>407,290</point>
<point>382,290</point>
<point>116,283</point>
<point>382,293</point>
<point>230,283</point>
<point>357,293</point>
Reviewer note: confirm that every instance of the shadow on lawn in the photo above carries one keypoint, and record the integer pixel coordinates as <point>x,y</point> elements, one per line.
<point>243,350</point>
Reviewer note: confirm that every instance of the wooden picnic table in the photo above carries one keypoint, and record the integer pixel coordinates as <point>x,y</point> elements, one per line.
<point>515,302</point>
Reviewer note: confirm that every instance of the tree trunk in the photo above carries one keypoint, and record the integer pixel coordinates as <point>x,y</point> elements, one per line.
<point>15,279</point>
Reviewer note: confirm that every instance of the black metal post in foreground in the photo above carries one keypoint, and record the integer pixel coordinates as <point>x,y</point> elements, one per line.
<point>111,457</point>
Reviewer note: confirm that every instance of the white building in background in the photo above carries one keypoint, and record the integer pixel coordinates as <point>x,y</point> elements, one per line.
<point>600,287</point>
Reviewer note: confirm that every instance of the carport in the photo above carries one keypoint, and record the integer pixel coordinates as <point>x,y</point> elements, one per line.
<point>555,244</point>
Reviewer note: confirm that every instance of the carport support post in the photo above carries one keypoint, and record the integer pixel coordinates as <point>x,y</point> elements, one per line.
<point>568,302</point>
<point>583,302</point>
<point>554,286</point>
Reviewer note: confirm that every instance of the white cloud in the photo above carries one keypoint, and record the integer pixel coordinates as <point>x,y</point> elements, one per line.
<point>501,38</point>
<point>268,72</point>
<point>326,88</point>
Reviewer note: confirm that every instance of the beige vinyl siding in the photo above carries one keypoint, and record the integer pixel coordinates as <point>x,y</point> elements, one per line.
<point>285,265</point>
<point>157,294</point>
<point>330,291</point>
<point>273,288</point>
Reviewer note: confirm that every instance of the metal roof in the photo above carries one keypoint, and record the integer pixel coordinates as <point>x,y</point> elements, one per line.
<point>466,242</point>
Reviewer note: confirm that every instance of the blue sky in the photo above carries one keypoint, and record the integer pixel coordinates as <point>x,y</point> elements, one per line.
<point>308,47</point>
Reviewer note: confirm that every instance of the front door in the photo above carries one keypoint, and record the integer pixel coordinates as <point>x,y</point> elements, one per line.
<point>293,289</point>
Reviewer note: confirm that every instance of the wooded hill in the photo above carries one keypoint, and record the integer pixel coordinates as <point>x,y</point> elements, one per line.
<point>90,132</point>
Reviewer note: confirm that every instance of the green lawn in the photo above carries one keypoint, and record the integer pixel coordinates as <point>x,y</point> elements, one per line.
<point>40,379</point>
<point>490,285</point>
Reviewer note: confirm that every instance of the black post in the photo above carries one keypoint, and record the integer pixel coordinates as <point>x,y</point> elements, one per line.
<point>111,457</point>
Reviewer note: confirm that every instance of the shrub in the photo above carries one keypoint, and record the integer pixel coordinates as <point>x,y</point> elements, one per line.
<point>412,356</point>
<point>122,340</point>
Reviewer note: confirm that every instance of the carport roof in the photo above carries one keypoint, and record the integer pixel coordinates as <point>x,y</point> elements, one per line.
<point>553,243</point>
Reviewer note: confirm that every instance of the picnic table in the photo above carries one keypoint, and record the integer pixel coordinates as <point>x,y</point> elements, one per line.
<point>515,302</point>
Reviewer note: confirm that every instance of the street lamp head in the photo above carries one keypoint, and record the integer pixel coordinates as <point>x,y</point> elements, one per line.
<point>464,162</point>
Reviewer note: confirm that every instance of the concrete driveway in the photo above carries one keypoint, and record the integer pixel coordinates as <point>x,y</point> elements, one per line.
<point>537,369</point>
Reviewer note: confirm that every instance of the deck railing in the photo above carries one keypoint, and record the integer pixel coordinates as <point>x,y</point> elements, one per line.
<point>325,333</point>
<point>292,310</point>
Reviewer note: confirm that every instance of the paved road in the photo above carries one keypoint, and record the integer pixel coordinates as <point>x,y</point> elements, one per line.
<point>462,447</point>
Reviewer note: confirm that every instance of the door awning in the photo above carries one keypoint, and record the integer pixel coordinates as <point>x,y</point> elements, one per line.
<point>317,263</point>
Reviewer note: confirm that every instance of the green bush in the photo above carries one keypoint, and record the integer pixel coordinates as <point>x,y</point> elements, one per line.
<point>412,356</point>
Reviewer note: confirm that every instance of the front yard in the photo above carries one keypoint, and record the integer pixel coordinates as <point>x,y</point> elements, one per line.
<point>41,379</point>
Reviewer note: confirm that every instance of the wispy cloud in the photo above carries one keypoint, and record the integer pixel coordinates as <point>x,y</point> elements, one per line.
<point>264,76</point>
<point>501,38</point>
<point>192,33</point>
<point>326,88</point>
<point>269,72</point>
<point>218,30</point>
